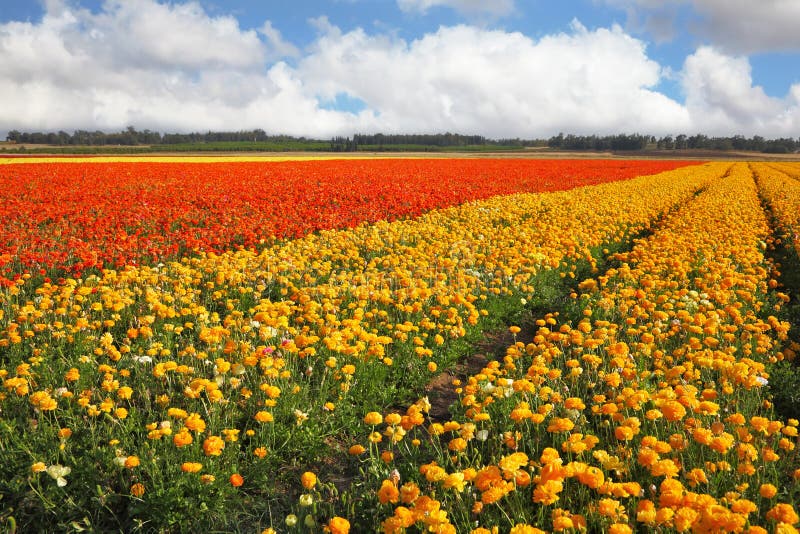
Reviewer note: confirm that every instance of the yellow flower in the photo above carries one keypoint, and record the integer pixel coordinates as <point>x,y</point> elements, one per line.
<point>264,417</point>
<point>73,375</point>
<point>191,467</point>
<point>38,467</point>
<point>373,418</point>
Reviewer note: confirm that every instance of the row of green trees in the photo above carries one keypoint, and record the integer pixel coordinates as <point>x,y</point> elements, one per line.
<point>594,142</point>
<point>737,142</point>
<point>679,142</point>
<point>622,142</point>
<point>132,136</point>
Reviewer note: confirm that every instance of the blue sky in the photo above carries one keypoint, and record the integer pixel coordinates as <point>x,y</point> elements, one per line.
<point>721,66</point>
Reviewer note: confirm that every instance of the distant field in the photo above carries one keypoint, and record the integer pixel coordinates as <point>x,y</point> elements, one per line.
<point>241,146</point>
<point>299,150</point>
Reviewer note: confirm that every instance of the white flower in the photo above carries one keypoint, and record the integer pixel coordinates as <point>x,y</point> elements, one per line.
<point>482,435</point>
<point>58,472</point>
<point>300,416</point>
<point>762,381</point>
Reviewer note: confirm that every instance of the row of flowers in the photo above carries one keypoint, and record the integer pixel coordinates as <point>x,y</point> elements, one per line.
<point>63,215</point>
<point>152,385</point>
<point>780,187</point>
<point>642,406</point>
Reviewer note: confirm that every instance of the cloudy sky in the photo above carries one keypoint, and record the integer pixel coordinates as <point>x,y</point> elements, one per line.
<point>500,68</point>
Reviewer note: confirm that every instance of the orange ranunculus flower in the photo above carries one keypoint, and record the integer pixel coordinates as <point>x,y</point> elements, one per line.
<point>263,416</point>
<point>182,438</point>
<point>388,493</point>
<point>672,410</point>
<point>783,513</point>
<point>767,491</point>
<point>195,422</point>
<point>73,375</point>
<point>547,493</point>
<point>356,450</point>
<point>619,528</point>
<point>684,518</point>
<point>236,480</point>
<point>308,480</point>
<point>213,445</point>
<point>137,490</point>
<point>592,476</point>
<point>558,424</point>
<point>338,525</point>
<point>38,467</point>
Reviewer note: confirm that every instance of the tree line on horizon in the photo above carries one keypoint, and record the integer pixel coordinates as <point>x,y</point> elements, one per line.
<point>258,138</point>
<point>756,143</point>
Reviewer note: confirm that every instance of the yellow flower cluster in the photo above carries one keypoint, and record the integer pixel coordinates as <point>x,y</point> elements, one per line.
<point>780,186</point>
<point>647,411</point>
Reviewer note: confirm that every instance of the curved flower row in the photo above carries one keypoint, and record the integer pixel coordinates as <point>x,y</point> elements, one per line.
<point>646,411</point>
<point>75,217</point>
<point>781,190</point>
<point>159,381</point>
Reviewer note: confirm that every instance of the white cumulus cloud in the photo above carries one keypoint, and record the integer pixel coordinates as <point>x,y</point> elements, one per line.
<point>498,83</point>
<point>722,98</point>
<point>165,66</point>
<point>174,67</point>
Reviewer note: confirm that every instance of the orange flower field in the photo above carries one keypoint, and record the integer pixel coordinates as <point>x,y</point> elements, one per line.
<point>450,345</point>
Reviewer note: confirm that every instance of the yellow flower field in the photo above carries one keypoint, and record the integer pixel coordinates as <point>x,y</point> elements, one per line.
<point>647,413</point>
